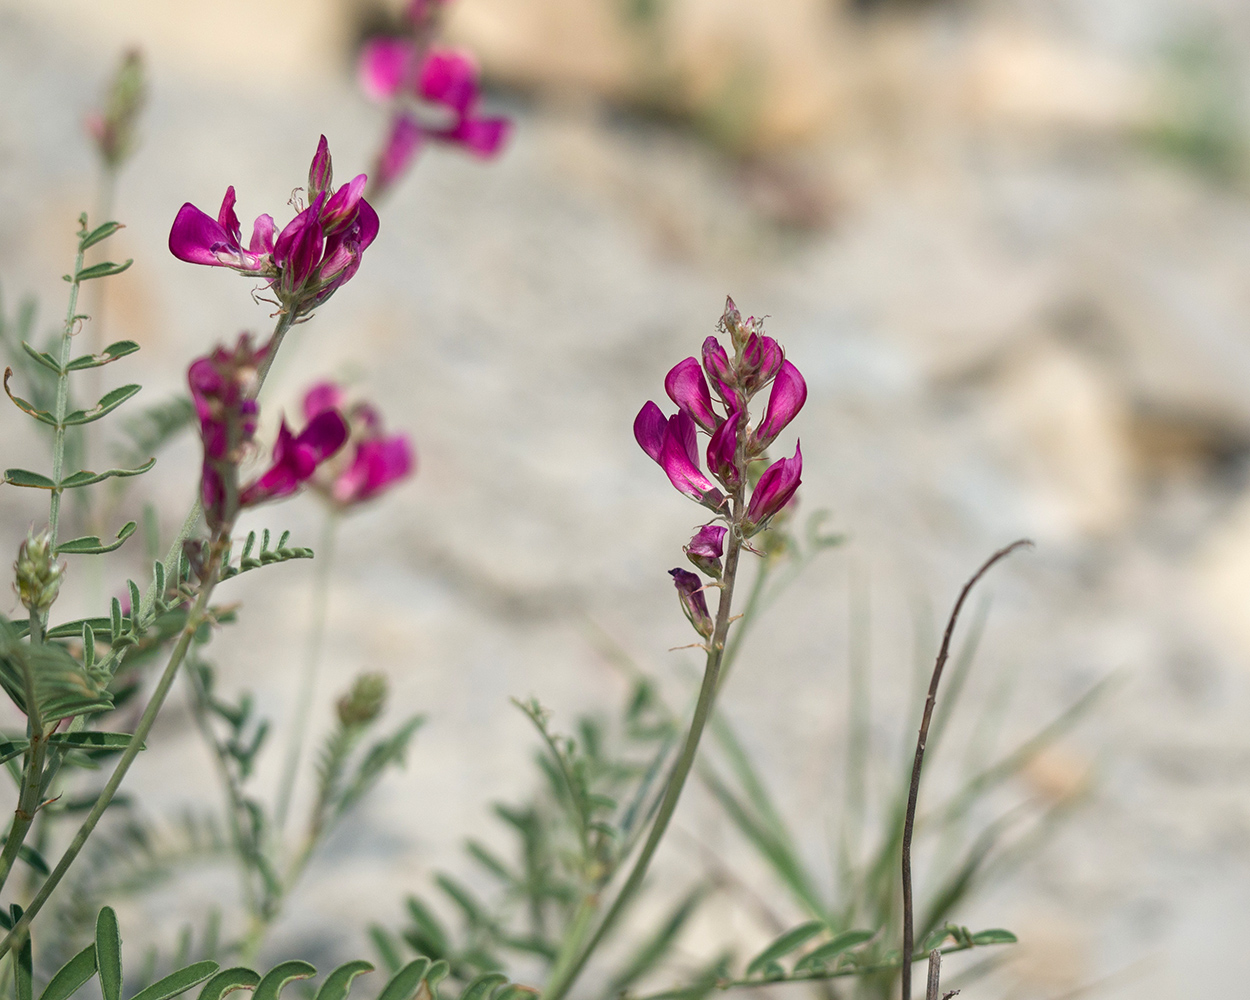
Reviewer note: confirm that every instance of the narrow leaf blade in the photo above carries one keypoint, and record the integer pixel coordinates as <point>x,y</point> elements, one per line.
<point>405,983</point>
<point>276,978</point>
<point>339,982</point>
<point>108,954</point>
<point>71,977</point>
<point>792,939</point>
<point>90,545</point>
<point>32,480</point>
<point>102,270</point>
<point>229,980</point>
<point>99,234</point>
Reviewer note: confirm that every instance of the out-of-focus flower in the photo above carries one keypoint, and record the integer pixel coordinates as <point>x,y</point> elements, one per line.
<point>314,254</point>
<point>296,457</point>
<point>693,603</point>
<point>376,463</point>
<point>114,128</point>
<point>706,548</point>
<point>774,490</point>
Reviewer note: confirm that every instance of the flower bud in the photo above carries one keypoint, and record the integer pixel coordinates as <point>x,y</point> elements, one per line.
<point>693,603</point>
<point>706,548</point>
<point>113,129</point>
<point>364,702</point>
<point>38,573</point>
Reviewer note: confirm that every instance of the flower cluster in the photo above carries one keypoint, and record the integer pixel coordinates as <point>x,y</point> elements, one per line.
<point>734,445</point>
<point>223,387</point>
<point>376,463</point>
<point>311,258</point>
<point>435,91</point>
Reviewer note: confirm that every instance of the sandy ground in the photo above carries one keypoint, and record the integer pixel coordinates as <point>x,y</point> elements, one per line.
<point>1004,336</point>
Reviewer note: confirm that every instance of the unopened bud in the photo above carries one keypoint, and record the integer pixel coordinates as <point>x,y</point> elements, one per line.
<point>38,573</point>
<point>114,128</point>
<point>364,702</point>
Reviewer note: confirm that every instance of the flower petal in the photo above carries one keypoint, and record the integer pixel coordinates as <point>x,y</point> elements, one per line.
<point>775,489</point>
<point>385,64</point>
<point>449,77</point>
<point>194,235</point>
<point>649,428</point>
<point>397,155</point>
<point>323,396</point>
<point>687,387</point>
<point>784,402</point>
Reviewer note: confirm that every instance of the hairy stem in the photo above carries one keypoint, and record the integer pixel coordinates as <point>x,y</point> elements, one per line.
<point>567,970</point>
<point>194,620</point>
<point>62,390</point>
<point>312,663</point>
<point>913,794</point>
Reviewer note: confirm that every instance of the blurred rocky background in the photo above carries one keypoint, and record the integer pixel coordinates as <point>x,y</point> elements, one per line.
<point>1008,243</point>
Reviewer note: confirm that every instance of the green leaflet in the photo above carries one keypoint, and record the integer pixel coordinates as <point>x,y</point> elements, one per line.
<point>107,356</point>
<point>109,402</point>
<point>90,545</point>
<point>789,941</point>
<point>61,685</point>
<point>72,976</point>
<point>108,952</point>
<point>480,988</point>
<point>99,234</point>
<point>276,978</point>
<point>339,982</point>
<point>88,478</point>
<point>101,270</point>
<point>829,951</point>
<point>178,982</point>
<point>32,480</point>
<point>229,980</point>
<point>404,984</point>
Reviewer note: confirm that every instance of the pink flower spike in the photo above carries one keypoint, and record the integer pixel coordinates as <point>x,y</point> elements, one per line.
<point>323,396</point>
<point>296,457</point>
<point>774,490</point>
<point>649,428</point>
<point>784,402</point>
<point>379,464</point>
<point>706,548</point>
<point>687,387</point>
<point>449,77</point>
<point>693,603</point>
<point>385,65</point>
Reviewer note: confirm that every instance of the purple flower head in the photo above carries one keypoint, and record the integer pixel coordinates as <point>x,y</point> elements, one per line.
<point>774,490</point>
<point>313,255</point>
<point>687,387</point>
<point>449,77</point>
<point>296,457</point>
<point>223,387</point>
<point>706,548</point>
<point>200,239</point>
<point>761,360</point>
<point>693,603</point>
<point>720,371</point>
<point>377,462</point>
<point>784,402</point>
<point>722,452</point>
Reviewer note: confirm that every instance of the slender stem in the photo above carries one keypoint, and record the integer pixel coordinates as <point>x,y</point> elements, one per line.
<point>566,971</point>
<point>913,794</point>
<point>322,566</point>
<point>62,390</point>
<point>194,620</point>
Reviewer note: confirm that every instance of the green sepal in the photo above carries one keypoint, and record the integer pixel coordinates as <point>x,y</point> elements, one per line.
<point>88,478</point>
<point>99,234</point>
<point>109,402</point>
<point>827,952</point>
<point>107,356</point>
<point>90,545</point>
<point>178,982</point>
<point>276,978</point>
<point>31,480</point>
<point>101,270</point>
<point>405,983</point>
<point>108,954</point>
<point>482,987</point>
<point>229,980</point>
<point>45,359</point>
<point>339,982</point>
<point>71,976</point>
<point>792,939</point>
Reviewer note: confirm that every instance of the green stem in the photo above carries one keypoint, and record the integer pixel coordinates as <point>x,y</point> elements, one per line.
<point>312,664</point>
<point>194,620</point>
<point>62,389</point>
<point>567,969</point>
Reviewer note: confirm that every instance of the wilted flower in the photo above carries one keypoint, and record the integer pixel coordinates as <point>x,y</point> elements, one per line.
<point>706,548</point>
<point>305,263</point>
<point>37,572</point>
<point>693,603</point>
<point>377,462</point>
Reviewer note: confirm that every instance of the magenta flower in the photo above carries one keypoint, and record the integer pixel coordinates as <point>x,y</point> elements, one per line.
<point>693,603</point>
<point>314,254</point>
<point>722,452</point>
<point>774,490</point>
<point>706,548</point>
<point>762,358</point>
<point>223,386</point>
<point>296,457</point>
<point>378,461</point>
<point>687,387</point>
<point>446,87</point>
<point>784,402</point>
<point>671,443</point>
